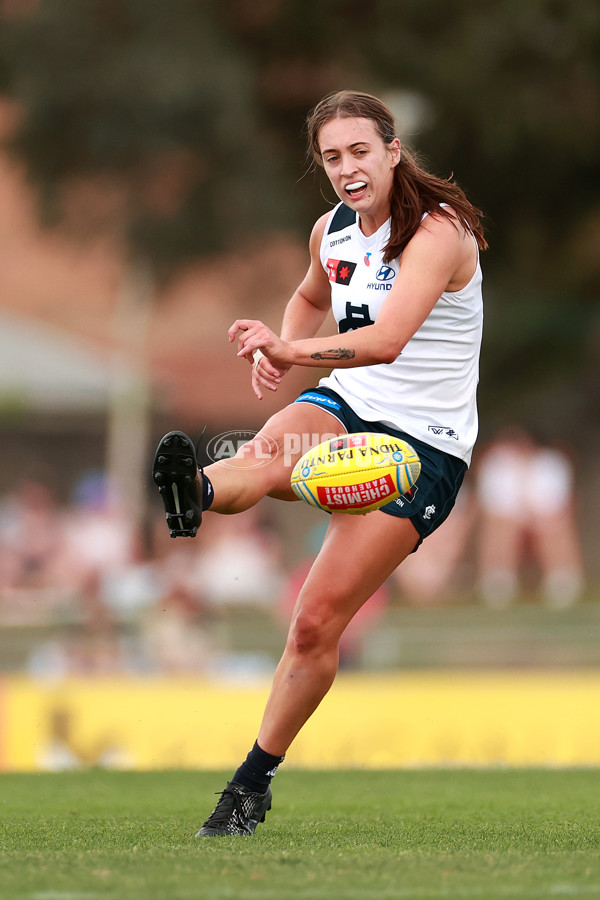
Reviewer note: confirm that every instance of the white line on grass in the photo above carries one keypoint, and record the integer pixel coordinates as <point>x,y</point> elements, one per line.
<point>63,895</point>
<point>227,892</point>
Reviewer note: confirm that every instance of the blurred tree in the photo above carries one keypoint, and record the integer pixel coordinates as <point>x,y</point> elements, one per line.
<point>141,118</point>
<point>140,123</point>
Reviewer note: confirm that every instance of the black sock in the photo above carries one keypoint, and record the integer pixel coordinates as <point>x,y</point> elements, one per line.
<point>208,495</point>
<point>256,771</point>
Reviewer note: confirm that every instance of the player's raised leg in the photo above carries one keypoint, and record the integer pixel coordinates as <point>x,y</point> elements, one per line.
<point>261,467</point>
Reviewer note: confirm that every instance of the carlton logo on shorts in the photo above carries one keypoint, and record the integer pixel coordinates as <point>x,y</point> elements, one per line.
<point>441,429</point>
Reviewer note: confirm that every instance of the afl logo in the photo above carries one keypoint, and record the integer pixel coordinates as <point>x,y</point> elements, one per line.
<point>386,273</point>
<point>257,449</point>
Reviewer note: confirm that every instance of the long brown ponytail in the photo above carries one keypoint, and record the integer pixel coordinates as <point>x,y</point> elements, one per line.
<point>414,191</point>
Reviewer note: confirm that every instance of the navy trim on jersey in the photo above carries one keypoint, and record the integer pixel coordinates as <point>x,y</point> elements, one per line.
<point>343,217</point>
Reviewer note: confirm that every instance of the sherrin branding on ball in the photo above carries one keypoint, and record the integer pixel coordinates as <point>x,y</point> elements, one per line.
<point>356,473</point>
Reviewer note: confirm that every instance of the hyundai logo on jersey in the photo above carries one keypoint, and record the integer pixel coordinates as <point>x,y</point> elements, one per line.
<point>385,273</point>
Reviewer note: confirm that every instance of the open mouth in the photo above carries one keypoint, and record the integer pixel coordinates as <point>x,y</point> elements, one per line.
<point>356,189</point>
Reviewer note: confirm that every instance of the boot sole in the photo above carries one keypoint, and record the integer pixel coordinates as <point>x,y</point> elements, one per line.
<point>174,472</point>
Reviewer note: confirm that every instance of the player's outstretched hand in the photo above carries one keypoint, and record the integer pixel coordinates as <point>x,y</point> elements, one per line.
<point>265,352</point>
<point>265,375</point>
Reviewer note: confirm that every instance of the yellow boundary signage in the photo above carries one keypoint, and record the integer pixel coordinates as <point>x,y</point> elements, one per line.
<point>382,721</point>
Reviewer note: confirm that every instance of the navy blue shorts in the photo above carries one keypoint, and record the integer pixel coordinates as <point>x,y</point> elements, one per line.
<point>429,502</point>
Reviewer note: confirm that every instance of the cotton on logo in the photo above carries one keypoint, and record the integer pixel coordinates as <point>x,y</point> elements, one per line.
<point>257,450</point>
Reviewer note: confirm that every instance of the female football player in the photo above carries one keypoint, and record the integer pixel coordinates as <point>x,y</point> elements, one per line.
<point>397,260</point>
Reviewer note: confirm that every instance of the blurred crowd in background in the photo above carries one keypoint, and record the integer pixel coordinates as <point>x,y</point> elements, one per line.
<point>98,596</point>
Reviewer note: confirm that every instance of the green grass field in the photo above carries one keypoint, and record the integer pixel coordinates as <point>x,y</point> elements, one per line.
<point>356,835</point>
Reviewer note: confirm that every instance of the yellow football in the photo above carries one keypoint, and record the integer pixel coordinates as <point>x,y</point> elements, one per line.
<point>356,473</point>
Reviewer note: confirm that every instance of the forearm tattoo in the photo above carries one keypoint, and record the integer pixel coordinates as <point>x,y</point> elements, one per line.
<point>341,353</point>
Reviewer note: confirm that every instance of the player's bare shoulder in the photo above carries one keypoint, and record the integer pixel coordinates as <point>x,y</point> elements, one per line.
<point>315,285</point>
<point>317,233</point>
<point>443,236</point>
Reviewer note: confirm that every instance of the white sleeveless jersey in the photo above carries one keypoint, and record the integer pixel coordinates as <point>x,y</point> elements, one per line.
<point>429,391</point>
